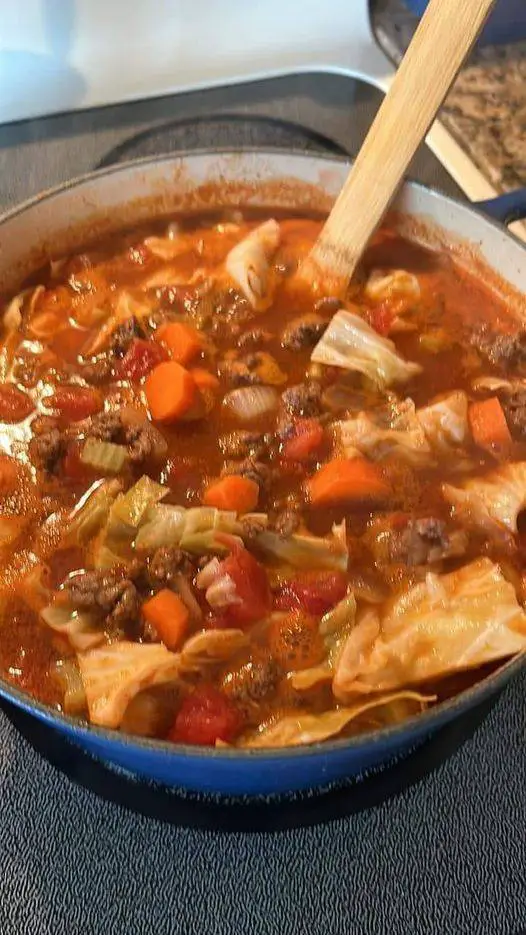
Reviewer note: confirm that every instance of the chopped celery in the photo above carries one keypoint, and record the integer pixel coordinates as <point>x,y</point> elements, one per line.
<point>349,342</point>
<point>104,456</point>
<point>131,507</point>
<point>193,530</point>
<point>304,551</point>
<point>128,510</point>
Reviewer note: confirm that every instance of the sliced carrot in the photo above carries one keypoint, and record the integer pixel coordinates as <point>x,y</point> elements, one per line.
<point>488,425</point>
<point>346,481</point>
<point>170,391</point>
<point>169,615</point>
<point>233,492</point>
<point>9,475</point>
<point>204,379</point>
<point>183,341</point>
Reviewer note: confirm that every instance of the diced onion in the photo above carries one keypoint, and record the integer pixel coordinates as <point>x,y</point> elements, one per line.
<point>208,574</point>
<point>251,402</point>
<point>222,592</point>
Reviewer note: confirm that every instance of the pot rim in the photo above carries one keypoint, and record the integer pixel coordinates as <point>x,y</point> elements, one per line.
<point>296,154</point>
<point>419,724</point>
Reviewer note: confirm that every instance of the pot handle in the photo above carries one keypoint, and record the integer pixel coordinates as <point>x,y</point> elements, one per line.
<point>505,208</point>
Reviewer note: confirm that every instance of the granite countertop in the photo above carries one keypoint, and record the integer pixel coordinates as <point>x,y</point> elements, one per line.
<point>486,109</point>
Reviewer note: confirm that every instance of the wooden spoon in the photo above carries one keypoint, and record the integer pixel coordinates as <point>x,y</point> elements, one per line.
<point>442,41</point>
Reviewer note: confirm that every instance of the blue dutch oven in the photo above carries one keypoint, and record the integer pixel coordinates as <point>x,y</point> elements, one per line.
<point>60,221</point>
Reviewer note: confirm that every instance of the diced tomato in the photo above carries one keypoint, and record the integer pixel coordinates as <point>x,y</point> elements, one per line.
<point>306,441</point>
<point>73,469</point>
<point>205,716</point>
<point>141,357</point>
<point>382,318</point>
<point>14,404</point>
<point>252,588</point>
<point>315,593</point>
<point>75,402</point>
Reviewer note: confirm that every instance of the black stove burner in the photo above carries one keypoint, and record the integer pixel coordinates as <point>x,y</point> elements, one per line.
<point>229,814</point>
<point>223,131</point>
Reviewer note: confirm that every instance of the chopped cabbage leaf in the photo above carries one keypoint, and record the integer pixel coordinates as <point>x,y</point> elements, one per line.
<point>126,307</point>
<point>349,342</point>
<point>248,262</point>
<point>305,551</point>
<point>79,628</point>
<point>112,675</point>
<point>333,628</point>
<point>195,530</point>
<point>445,422</point>
<point>413,434</point>
<point>383,285</point>
<point>303,728</point>
<point>446,624</point>
<point>211,647</point>
<point>192,529</point>
<point>498,497</point>
<point>405,436</point>
<point>163,526</point>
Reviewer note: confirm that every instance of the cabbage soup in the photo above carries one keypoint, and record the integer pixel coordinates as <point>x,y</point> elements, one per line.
<point>239,509</point>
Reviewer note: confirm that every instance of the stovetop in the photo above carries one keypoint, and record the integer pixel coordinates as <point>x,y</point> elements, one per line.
<point>37,154</point>
<point>431,844</point>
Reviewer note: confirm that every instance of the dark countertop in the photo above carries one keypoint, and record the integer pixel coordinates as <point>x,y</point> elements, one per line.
<point>486,109</point>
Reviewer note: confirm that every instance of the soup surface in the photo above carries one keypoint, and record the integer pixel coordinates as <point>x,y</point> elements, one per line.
<point>239,509</point>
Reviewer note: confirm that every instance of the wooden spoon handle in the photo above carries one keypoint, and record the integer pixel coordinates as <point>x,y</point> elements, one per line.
<point>440,44</point>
